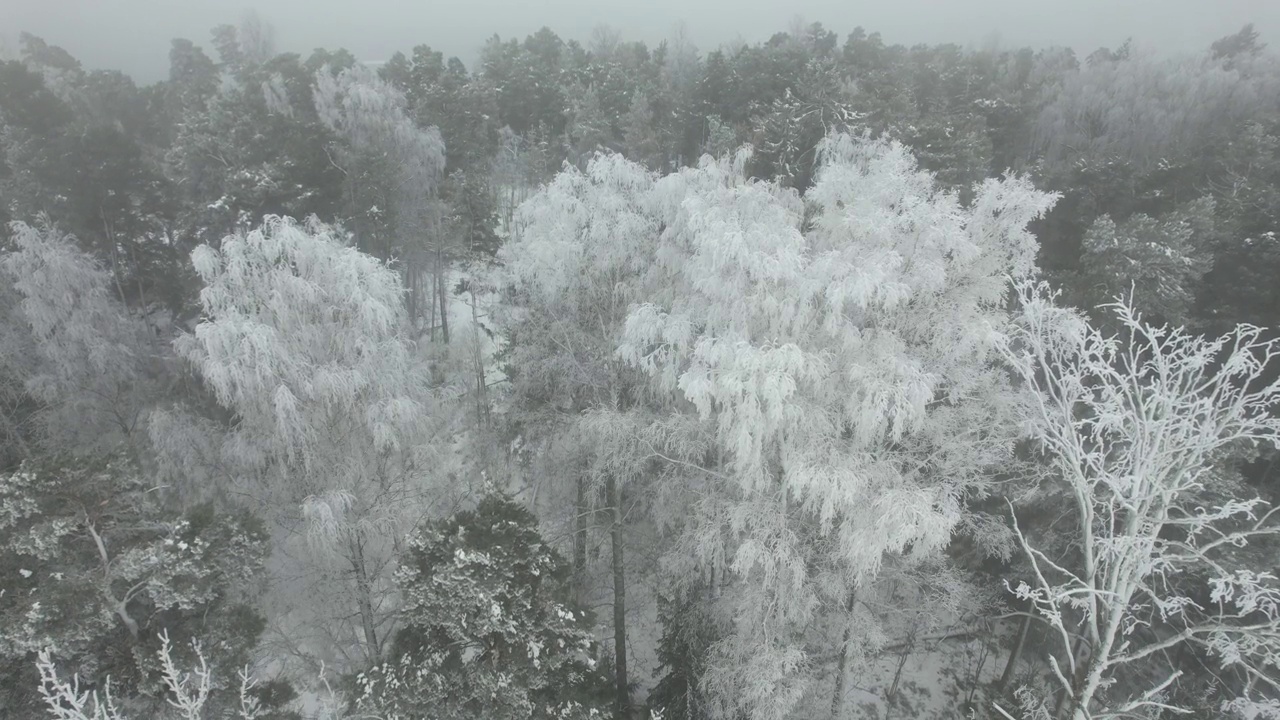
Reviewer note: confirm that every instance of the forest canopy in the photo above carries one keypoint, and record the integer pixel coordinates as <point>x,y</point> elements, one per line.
<point>805,378</point>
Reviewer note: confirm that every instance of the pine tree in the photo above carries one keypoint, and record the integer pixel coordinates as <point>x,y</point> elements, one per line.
<point>1161,260</point>
<point>489,626</point>
<point>98,566</point>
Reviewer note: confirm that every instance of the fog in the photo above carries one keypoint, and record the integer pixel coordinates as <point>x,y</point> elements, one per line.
<point>134,35</point>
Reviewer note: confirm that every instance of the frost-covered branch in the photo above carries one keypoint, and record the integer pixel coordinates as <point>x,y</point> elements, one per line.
<point>1138,427</point>
<point>189,699</point>
<point>189,690</point>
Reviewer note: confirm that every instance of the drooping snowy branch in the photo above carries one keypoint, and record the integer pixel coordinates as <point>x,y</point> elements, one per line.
<point>91,374</point>
<point>835,346</point>
<point>305,339</point>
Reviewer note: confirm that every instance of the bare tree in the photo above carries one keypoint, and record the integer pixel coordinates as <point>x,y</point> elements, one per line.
<point>1136,426</point>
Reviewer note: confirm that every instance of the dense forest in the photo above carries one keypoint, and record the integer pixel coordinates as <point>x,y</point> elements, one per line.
<point>818,377</point>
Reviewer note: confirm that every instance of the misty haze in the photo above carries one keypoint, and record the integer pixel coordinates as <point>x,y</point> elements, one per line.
<point>667,361</point>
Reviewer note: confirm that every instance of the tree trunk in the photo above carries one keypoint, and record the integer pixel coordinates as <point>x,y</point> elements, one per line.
<point>115,266</point>
<point>482,400</point>
<point>137,277</point>
<point>444,297</point>
<point>130,624</point>
<point>121,607</point>
<point>580,537</point>
<point>511,211</point>
<point>837,698</point>
<point>411,283</point>
<point>353,194</point>
<point>984,654</point>
<point>619,604</point>
<point>909,645</point>
<point>1016,654</point>
<point>440,280</point>
<point>431,317</point>
<point>1069,702</point>
<point>364,591</point>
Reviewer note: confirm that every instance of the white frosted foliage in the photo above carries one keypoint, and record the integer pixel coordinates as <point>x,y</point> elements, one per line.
<point>836,344</point>
<point>91,372</point>
<point>370,114</point>
<point>304,338</point>
<point>1138,426</point>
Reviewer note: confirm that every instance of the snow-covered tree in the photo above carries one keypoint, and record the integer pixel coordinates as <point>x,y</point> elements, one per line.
<point>392,169</point>
<point>66,701</point>
<point>1139,428</point>
<point>305,339</point>
<point>254,147</point>
<point>18,362</point>
<point>92,375</point>
<point>1149,109</point>
<point>835,347</point>
<point>370,114</point>
<point>640,133</point>
<point>489,626</point>
<point>589,129</point>
<point>96,566</point>
<point>388,160</point>
<point>957,147</point>
<point>582,249</point>
<point>1161,259</point>
<point>720,139</point>
<point>1247,194</point>
<point>689,629</point>
<point>792,127</point>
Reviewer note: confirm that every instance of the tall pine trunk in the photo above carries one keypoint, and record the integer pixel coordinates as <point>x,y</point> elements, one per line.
<point>412,282</point>
<point>444,297</point>
<point>440,290</point>
<point>482,387</point>
<point>431,317</point>
<point>623,698</point>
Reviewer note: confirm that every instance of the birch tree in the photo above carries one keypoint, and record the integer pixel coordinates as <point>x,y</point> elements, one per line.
<point>93,370</point>
<point>18,414</point>
<point>1137,426</point>
<point>581,253</point>
<point>304,340</point>
<point>834,346</point>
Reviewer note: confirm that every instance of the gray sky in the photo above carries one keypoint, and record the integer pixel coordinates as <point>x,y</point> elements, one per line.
<point>134,35</point>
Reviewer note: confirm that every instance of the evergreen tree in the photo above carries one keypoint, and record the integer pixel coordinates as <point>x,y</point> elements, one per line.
<point>489,627</point>
<point>97,565</point>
